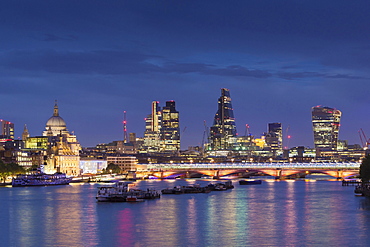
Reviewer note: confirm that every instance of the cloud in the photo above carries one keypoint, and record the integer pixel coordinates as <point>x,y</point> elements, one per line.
<point>114,62</point>
<point>236,70</point>
<point>79,62</point>
<point>345,76</point>
<point>49,37</point>
<point>110,62</point>
<point>306,74</point>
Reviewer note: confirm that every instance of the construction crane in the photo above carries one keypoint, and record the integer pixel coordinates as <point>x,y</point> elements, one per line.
<point>247,131</point>
<point>205,134</point>
<point>287,137</point>
<point>364,140</point>
<point>125,137</point>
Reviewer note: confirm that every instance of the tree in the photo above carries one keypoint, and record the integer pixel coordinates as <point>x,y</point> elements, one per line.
<point>112,168</point>
<point>11,169</point>
<point>2,171</point>
<point>365,169</point>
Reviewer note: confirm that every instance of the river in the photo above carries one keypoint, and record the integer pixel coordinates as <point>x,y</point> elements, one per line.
<point>275,213</point>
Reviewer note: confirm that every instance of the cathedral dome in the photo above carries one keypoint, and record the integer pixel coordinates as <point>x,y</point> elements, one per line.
<point>56,124</point>
<point>56,121</point>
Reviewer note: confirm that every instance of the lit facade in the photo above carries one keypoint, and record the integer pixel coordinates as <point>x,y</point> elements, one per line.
<point>170,130</point>
<point>92,166</point>
<point>63,147</point>
<point>162,129</point>
<point>152,129</point>
<point>223,132</point>
<point>6,130</point>
<point>325,123</point>
<point>125,163</point>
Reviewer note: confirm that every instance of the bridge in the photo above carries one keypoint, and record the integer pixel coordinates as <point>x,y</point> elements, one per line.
<point>276,169</point>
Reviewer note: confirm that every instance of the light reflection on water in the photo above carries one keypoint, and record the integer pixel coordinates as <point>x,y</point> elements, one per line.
<point>275,213</point>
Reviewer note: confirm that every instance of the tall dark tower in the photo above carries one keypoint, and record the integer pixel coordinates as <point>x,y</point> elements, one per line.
<point>274,138</point>
<point>223,131</point>
<point>325,123</point>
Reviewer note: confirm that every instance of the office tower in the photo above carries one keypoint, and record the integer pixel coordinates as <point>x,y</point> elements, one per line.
<point>223,132</point>
<point>152,129</point>
<point>170,129</point>
<point>7,130</point>
<point>274,138</point>
<point>162,129</point>
<point>325,123</point>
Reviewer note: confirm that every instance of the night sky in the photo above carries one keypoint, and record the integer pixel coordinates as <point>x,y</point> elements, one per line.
<point>100,58</point>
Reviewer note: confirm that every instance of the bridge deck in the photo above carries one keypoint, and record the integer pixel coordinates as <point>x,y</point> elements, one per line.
<point>313,165</point>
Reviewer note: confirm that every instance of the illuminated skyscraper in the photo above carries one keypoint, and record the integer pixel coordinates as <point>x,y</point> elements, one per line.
<point>152,129</point>
<point>325,123</point>
<point>223,131</point>
<point>162,131</point>
<point>170,130</point>
<point>7,130</point>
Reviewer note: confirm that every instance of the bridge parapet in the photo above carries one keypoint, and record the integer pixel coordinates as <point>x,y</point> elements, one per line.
<point>248,165</point>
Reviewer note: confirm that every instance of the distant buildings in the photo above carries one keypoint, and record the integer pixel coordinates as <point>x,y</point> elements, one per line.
<point>58,150</point>
<point>6,130</point>
<point>162,129</point>
<point>274,138</point>
<point>223,132</point>
<point>325,123</point>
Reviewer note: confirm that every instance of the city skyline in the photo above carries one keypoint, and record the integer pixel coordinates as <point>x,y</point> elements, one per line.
<point>100,59</point>
<point>207,132</point>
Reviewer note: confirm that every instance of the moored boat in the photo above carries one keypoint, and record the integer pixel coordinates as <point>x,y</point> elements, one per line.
<point>187,189</point>
<point>133,199</point>
<point>248,182</point>
<point>121,192</point>
<point>40,179</point>
<point>221,186</point>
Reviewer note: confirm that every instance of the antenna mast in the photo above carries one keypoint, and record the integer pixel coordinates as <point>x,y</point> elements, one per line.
<point>124,128</point>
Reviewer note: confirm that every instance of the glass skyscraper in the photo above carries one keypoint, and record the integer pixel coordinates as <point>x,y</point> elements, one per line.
<point>152,129</point>
<point>170,130</point>
<point>325,123</point>
<point>162,133</point>
<point>223,132</point>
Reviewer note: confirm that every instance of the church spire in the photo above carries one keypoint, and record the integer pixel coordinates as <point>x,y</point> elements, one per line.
<point>25,133</point>
<point>56,110</point>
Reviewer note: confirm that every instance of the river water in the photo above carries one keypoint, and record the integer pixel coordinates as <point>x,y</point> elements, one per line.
<point>275,213</point>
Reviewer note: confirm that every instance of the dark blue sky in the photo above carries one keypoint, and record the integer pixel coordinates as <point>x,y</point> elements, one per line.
<point>100,58</point>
